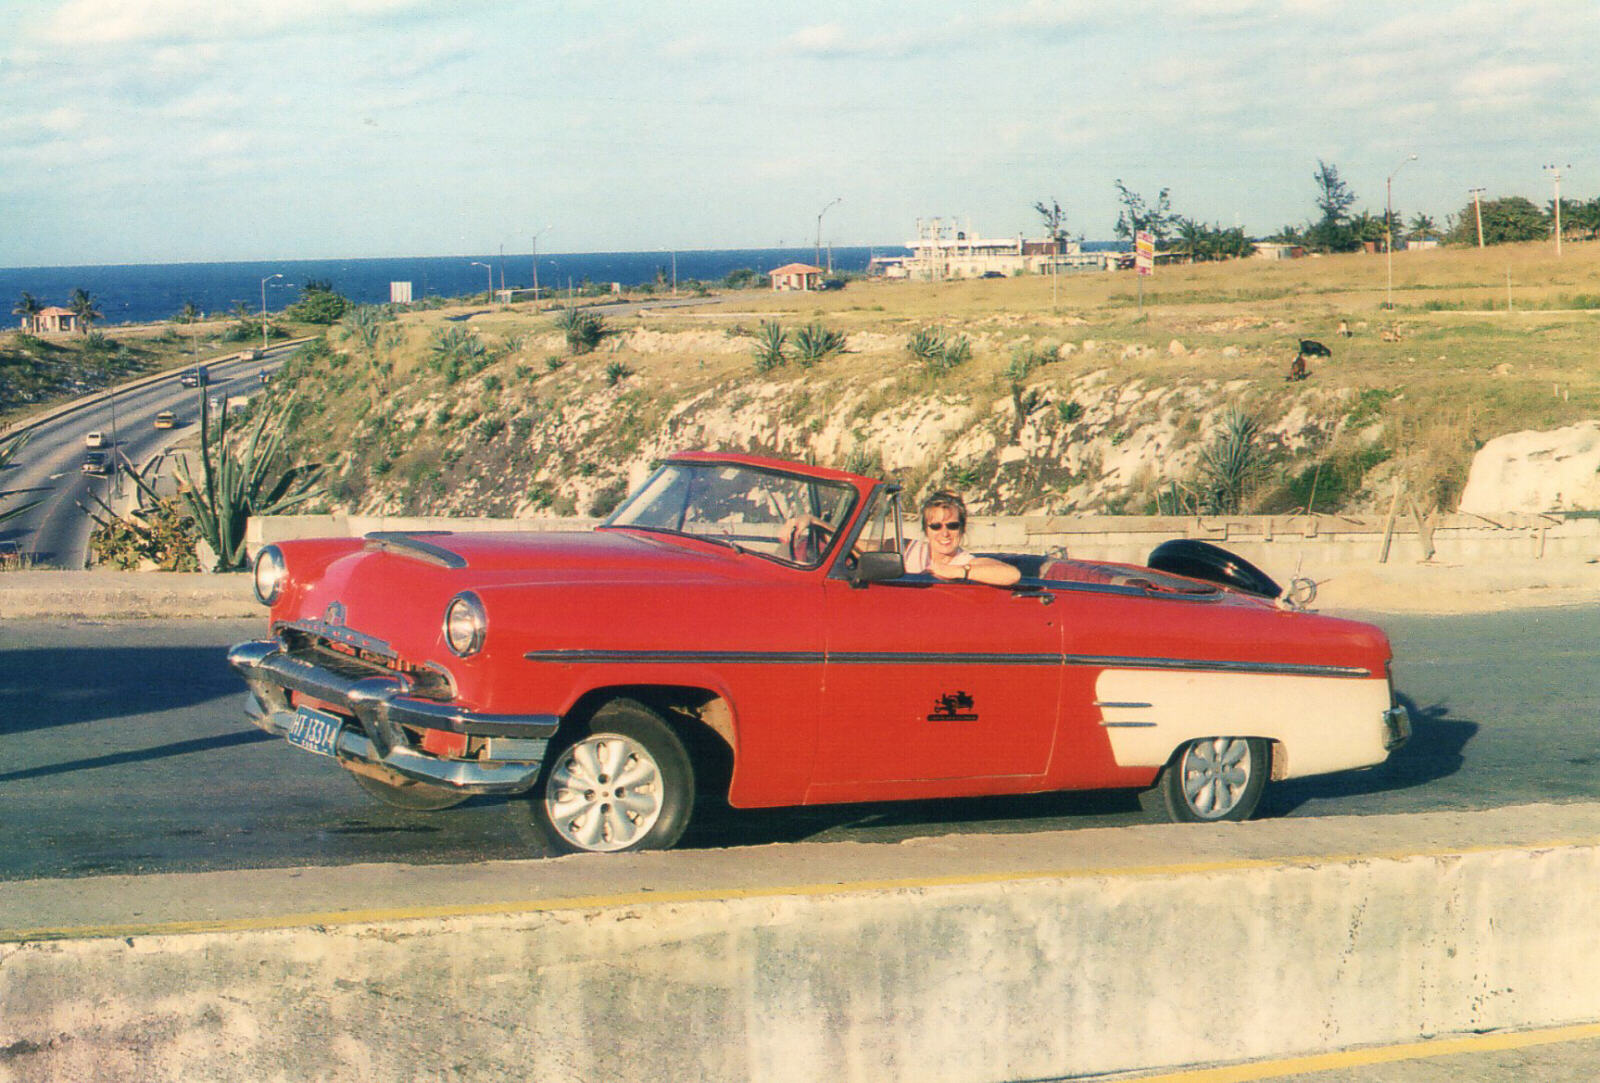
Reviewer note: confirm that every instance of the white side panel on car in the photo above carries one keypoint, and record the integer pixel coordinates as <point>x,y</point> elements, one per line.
<point>1323,723</point>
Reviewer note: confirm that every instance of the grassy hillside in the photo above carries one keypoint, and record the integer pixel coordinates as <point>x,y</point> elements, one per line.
<point>1069,399</point>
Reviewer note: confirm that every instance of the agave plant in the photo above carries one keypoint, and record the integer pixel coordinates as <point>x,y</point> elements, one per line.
<point>1229,463</point>
<point>365,323</point>
<point>9,446</point>
<point>814,343</point>
<point>771,346</point>
<point>583,330</point>
<point>238,480</point>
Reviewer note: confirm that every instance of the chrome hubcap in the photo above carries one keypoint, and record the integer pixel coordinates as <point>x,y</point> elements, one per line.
<point>1215,774</point>
<point>605,793</point>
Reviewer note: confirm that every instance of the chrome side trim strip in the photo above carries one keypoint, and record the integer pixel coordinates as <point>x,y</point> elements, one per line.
<point>578,656</point>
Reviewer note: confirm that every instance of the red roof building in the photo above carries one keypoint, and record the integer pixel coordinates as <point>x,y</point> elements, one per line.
<point>56,318</point>
<point>796,276</point>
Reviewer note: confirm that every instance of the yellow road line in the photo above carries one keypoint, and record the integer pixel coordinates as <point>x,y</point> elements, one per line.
<point>647,897</point>
<point>1388,1054</point>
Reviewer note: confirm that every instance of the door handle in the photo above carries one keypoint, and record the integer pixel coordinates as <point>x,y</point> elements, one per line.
<point>1044,597</point>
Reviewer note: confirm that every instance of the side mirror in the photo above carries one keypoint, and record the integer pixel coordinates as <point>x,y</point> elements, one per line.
<point>875,567</point>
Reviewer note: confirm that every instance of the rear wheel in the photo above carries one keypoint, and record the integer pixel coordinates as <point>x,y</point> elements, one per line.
<point>623,782</point>
<point>1211,780</point>
<point>402,792</point>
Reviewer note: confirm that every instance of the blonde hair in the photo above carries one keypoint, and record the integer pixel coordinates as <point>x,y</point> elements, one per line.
<point>950,502</point>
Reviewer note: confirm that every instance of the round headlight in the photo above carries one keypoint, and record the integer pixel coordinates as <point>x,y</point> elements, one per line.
<point>270,574</point>
<point>465,624</point>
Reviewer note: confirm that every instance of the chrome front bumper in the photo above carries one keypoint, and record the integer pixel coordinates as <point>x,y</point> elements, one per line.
<point>513,746</point>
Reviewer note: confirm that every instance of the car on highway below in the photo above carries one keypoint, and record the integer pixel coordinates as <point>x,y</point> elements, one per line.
<point>194,377</point>
<point>744,628</point>
<point>166,419</point>
<point>94,439</point>
<point>96,462</point>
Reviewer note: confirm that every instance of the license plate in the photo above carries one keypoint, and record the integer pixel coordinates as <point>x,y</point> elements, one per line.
<point>315,731</point>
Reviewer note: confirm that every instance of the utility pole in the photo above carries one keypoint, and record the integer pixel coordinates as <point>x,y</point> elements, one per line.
<point>536,237</point>
<point>1477,211</point>
<point>1555,173</point>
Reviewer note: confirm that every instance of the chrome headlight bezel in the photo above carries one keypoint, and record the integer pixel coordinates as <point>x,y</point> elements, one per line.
<point>269,575</point>
<point>466,624</point>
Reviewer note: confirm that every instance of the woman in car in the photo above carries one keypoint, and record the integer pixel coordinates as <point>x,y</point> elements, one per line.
<point>944,523</point>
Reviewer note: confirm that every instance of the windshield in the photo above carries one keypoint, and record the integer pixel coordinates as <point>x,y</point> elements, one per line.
<point>781,516</point>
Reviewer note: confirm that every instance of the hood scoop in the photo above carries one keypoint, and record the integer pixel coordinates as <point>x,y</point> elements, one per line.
<point>415,544</point>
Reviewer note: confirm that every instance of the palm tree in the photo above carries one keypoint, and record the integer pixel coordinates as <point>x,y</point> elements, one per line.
<point>83,307</point>
<point>190,313</point>
<point>1423,227</point>
<point>28,308</point>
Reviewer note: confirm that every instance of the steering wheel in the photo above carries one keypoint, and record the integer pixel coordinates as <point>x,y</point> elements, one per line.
<point>807,544</point>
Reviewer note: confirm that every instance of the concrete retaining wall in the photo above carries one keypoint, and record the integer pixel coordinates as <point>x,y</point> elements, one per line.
<point>977,976</point>
<point>1281,541</point>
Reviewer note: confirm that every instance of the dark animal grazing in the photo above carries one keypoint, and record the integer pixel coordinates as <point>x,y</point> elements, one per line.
<point>1310,347</point>
<point>1297,368</point>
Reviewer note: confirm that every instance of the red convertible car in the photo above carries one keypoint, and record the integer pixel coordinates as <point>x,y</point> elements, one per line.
<point>696,641</point>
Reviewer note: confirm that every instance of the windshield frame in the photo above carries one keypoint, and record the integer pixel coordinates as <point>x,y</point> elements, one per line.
<point>697,469</point>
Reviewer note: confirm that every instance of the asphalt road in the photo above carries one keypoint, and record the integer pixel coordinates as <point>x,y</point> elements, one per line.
<point>56,532</point>
<point>123,749</point>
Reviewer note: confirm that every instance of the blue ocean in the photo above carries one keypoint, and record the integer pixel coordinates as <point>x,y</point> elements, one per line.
<point>143,293</point>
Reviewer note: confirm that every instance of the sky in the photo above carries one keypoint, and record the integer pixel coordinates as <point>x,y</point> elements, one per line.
<point>154,131</point>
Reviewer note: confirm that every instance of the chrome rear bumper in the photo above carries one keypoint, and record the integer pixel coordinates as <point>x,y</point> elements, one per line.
<point>380,705</point>
<point>1396,728</point>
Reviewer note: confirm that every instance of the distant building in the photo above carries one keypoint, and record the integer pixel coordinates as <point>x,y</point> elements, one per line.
<point>399,293</point>
<point>56,319</point>
<point>796,276</point>
<point>1274,250</point>
<point>942,252</point>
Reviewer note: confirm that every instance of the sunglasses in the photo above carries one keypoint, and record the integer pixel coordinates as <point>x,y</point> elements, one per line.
<point>953,524</point>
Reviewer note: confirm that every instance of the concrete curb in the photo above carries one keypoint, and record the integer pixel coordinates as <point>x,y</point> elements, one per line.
<point>960,959</point>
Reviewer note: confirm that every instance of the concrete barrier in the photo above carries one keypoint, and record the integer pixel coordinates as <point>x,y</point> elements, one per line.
<point>961,958</point>
<point>1285,541</point>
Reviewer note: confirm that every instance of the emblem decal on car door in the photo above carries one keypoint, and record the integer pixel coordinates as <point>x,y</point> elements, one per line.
<point>954,707</point>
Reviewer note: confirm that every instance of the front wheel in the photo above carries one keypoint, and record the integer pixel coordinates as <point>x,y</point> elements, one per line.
<point>624,782</point>
<point>1212,780</point>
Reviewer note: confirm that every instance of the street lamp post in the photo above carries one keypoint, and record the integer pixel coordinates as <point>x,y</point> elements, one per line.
<point>823,211</point>
<point>490,295</point>
<point>536,237</point>
<point>264,282</point>
<point>1388,229</point>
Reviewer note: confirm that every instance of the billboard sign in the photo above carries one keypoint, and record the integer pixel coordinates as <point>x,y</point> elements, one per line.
<point>1144,252</point>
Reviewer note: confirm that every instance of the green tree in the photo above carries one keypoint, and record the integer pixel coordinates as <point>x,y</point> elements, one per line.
<point>83,307</point>
<point>28,307</point>
<point>1332,232</point>
<point>188,314</point>
<point>1423,228</point>
<point>319,303</point>
<point>1157,219</point>
<point>1055,220</point>
<point>1507,220</point>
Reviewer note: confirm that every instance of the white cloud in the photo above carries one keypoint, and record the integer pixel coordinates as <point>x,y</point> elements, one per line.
<point>80,22</point>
